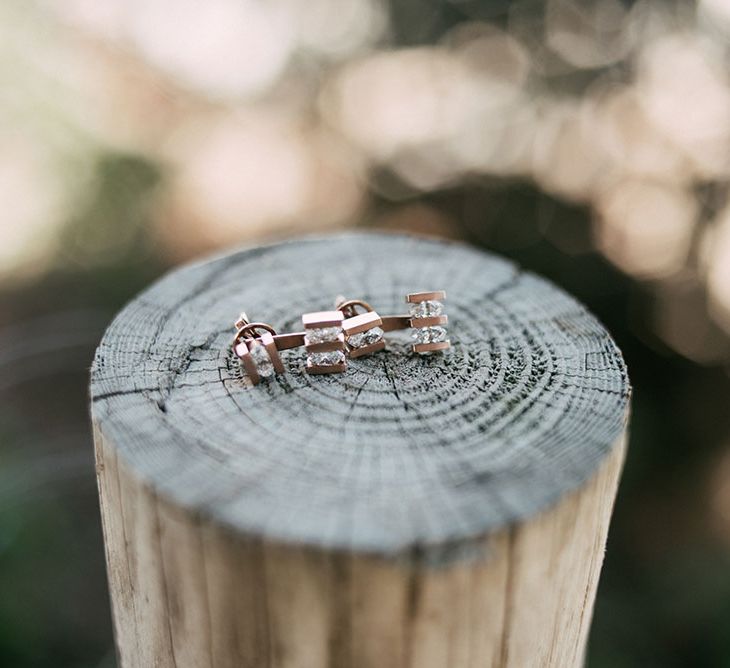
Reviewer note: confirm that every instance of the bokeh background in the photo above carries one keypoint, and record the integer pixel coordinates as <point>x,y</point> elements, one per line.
<point>588,140</point>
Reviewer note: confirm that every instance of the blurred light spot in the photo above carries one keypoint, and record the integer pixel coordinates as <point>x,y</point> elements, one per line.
<point>715,13</point>
<point>586,34</point>
<point>241,174</point>
<point>222,47</point>
<point>646,228</point>
<point>498,61</point>
<point>632,140</point>
<point>495,136</point>
<point>426,169</point>
<point>33,211</point>
<point>684,86</point>
<point>103,18</point>
<point>499,142</point>
<point>567,160</point>
<point>526,22</point>
<point>136,107</point>
<point>253,174</point>
<point>358,23</point>
<point>392,101</point>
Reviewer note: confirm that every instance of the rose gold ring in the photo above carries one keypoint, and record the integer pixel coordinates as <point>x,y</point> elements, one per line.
<point>363,331</point>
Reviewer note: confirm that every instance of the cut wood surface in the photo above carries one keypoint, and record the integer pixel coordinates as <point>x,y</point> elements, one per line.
<point>444,510</point>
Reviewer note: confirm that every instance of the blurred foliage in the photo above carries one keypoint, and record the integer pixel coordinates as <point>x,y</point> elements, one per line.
<point>589,141</point>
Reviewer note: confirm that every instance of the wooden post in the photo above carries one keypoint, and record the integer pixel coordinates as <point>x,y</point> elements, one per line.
<point>416,511</point>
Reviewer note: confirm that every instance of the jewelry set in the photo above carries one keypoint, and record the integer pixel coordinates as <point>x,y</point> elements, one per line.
<point>352,330</point>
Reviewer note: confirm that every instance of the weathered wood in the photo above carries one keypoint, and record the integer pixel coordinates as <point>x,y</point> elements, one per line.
<point>448,510</point>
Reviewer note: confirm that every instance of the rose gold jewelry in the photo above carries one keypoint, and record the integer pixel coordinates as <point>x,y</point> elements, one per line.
<point>363,331</point>
<point>325,342</point>
<point>255,347</point>
<point>428,321</point>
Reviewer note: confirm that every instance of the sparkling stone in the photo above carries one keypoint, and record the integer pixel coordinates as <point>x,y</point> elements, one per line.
<point>327,359</point>
<point>438,334</point>
<point>366,338</point>
<point>321,335</point>
<point>264,365</point>
<point>435,334</point>
<point>426,309</point>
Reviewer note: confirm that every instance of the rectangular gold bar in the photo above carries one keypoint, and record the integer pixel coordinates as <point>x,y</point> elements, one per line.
<point>322,319</point>
<point>415,297</point>
<point>391,323</point>
<point>326,368</point>
<point>367,350</point>
<point>267,340</point>
<point>431,347</point>
<point>326,346</point>
<point>430,321</point>
<point>288,341</point>
<point>248,364</point>
<point>361,323</point>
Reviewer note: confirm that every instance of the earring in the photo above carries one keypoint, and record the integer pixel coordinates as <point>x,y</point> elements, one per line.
<point>363,331</point>
<point>428,321</point>
<point>324,341</point>
<point>255,347</point>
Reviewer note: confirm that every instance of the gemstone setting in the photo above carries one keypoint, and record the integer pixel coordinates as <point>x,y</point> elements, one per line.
<point>428,321</point>
<point>364,333</point>
<point>426,309</point>
<point>324,342</point>
<point>258,356</point>
<point>366,338</point>
<point>433,334</point>
<point>264,364</point>
<point>329,358</point>
<point>321,335</point>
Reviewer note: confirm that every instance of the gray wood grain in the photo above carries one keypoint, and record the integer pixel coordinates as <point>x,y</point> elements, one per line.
<point>401,452</point>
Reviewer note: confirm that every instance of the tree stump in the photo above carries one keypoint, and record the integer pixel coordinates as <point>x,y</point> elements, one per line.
<point>444,511</point>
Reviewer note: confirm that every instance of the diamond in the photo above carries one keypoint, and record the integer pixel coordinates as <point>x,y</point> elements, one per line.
<point>366,338</point>
<point>426,309</point>
<point>260,355</point>
<point>321,335</point>
<point>327,359</point>
<point>435,334</point>
<point>438,334</point>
